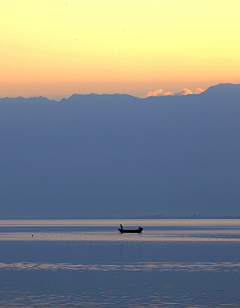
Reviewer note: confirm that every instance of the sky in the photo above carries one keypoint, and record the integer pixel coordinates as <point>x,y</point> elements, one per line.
<point>55,48</point>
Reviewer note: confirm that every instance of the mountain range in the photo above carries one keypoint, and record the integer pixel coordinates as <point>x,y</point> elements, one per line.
<point>119,156</point>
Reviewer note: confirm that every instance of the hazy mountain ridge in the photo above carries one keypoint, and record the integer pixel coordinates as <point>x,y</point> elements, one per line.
<point>118,155</point>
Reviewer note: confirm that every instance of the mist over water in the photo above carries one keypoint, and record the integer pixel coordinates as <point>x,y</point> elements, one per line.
<point>88,263</point>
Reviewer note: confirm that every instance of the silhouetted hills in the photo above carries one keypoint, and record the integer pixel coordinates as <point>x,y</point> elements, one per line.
<point>118,155</point>
<point>223,91</point>
<point>97,97</point>
<point>21,99</point>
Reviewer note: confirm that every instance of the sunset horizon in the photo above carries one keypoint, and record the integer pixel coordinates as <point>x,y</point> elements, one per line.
<point>156,93</point>
<point>57,48</point>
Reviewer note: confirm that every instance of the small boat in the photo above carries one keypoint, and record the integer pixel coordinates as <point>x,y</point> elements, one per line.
<point>139,230</point>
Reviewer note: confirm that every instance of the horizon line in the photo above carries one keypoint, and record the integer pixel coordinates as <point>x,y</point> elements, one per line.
<point>155,93</point>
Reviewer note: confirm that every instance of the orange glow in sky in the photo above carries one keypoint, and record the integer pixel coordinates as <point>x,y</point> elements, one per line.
<point>55,48</point>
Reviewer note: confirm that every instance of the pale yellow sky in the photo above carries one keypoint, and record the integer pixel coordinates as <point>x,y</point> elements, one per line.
<point>57,48</point>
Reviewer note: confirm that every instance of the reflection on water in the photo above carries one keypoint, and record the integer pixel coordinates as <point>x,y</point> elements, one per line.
<point>88,263</point>
<point>147,236</point>
<point>137,266</point>
<point>104,230</point>
<point>116,222</point>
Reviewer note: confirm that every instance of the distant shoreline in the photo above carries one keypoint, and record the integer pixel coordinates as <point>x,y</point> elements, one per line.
<point>130,217</point>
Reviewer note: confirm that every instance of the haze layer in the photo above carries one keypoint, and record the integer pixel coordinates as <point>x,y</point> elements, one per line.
<point>118,155</point>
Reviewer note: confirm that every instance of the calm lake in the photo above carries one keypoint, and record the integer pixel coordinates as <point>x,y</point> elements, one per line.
<point>88,263</point>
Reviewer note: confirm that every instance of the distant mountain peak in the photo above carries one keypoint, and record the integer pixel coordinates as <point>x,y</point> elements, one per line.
<point>223,89</point>
<point>97,97</point>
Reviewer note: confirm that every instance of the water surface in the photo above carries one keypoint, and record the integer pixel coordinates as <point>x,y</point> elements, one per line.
<point>88,263</point>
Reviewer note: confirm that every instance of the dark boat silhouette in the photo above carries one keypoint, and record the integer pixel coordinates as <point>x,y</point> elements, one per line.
<point>139,230</point>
